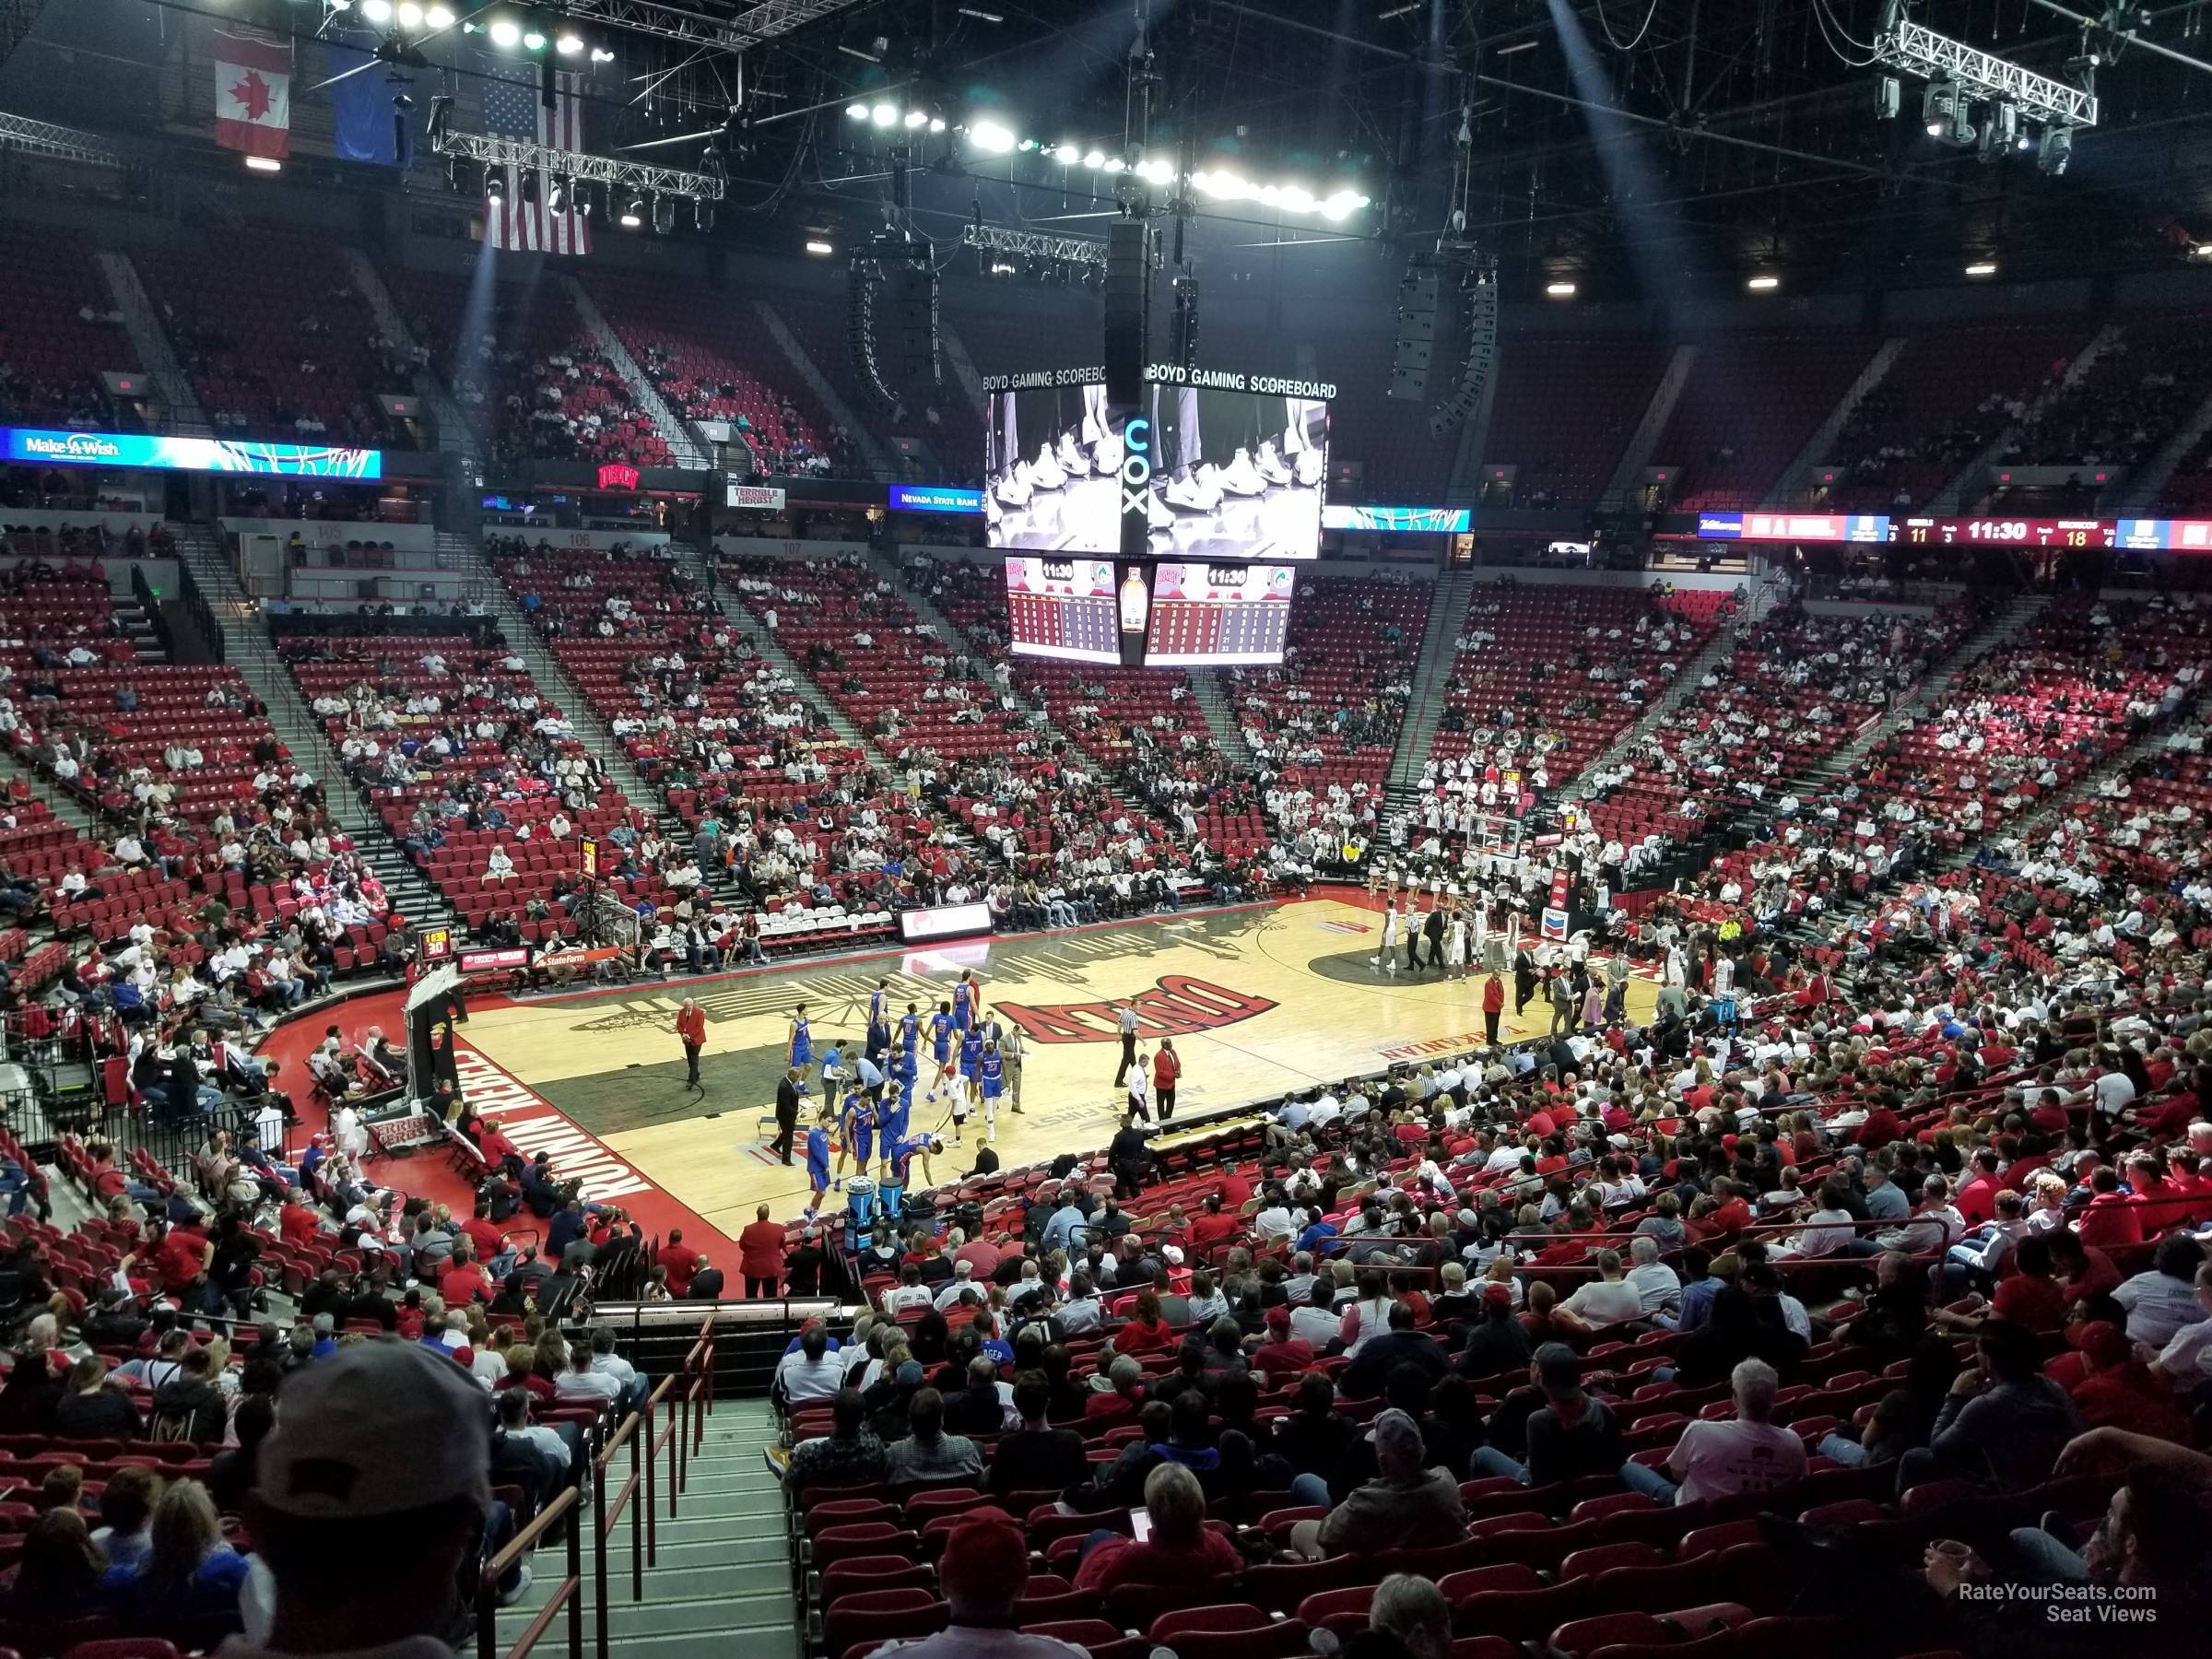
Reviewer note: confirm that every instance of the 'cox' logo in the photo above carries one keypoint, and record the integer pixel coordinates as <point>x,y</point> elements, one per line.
<point>1136,466</point>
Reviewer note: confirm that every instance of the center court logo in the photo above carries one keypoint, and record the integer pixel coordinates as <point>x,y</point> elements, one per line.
<point>1176,1005</point>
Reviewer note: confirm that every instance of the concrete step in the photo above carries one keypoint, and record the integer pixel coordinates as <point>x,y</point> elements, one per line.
<point>763,1642</point>
<point>719,1551</point>
<point>676,1580</point>
<point>664,1614</point>
<point>692,1527</point>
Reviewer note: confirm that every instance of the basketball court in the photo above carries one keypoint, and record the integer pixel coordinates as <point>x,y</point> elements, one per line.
<point>1259,999</point>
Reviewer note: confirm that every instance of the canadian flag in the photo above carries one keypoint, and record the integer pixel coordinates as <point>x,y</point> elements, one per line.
<point>252,94</point>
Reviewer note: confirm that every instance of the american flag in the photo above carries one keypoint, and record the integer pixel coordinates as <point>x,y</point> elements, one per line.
<point>513,109</point>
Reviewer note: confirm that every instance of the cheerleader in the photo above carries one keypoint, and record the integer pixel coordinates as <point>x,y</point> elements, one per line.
<point>1455,945</point>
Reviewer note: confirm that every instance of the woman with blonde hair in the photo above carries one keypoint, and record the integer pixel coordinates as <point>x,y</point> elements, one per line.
<point>1178,1547</point>
<point>189,1572</point>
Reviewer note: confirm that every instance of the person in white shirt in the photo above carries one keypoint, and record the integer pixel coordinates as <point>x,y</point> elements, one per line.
<point>582,1386</point>
<point>1723,1459</point>
<point>1658,1286</point>
<point>1609,1299</point>
<point>810,1371</point>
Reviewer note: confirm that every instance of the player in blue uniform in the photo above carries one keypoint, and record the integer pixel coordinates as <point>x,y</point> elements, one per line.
<point>910,1031</point>
<point>833,1073</point>
<point>856,1126</point>
<point>940,1048</point>
<point>991,1073</point>
<point>817,1164</point>
<point>966,1003</point>
<point>899,1160</point>
<point>801,1048</point>
<point>964,1095</point>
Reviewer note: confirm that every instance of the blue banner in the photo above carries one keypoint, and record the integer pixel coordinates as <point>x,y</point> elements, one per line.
<point>934,498</point>
<point>1441,521</point>
<point>365,123</point>
<point>187,454</point>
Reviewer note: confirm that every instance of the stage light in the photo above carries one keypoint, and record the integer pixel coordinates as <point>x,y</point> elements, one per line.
<point>505,31</point>
<point>2202,251</point>
<point>1763,285</point>
<point>885,114</point>
<point>560,194</point>
<point>1094,160</point>
<point>1154,171</point>
<point>916,119</point>
<point>410,15</point>
<point>1982,267</point>
<point>1939,108</point>
<point>2057,149</point>
<point>439,17</point>
<point>1559,290</point>
<point>569,44</point>
<point>533,40</point>
<point>936,123</point>
<point>1297,198</point>
<point>495,187</point>
<point>816,246</point>
<point>376,11</point>
<point>999,267</point>
<point>990,138</point>
<point>601,55</point>
<point>1114,164</point>
<point>1067,155</point>
<point>633,213</point>
<point>856,111</point>
<point>268,164</point>
<point>663,214</point>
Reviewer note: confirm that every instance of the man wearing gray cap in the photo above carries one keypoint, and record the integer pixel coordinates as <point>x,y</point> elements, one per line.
<point>375,1477</point>
<point>1406,1504</point>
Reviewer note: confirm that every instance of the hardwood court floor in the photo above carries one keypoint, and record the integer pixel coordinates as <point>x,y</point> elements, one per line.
<point>1259,1000</point>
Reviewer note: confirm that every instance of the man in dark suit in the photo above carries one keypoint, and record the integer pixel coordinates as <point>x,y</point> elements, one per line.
<point>1433,930</point>
<point>1524,978</point>
<point>706,1283</point>
<point>787,1113</point>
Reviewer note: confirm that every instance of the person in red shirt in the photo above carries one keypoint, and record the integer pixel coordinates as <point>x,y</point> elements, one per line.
<point>1282,1354</point>
<point>760,1254</point>
<point>483,1232</point>
<point>296,1224</point>
<point>462,1281</point>
<point>1236,1190</point>
<point>1880,1127</point>
<point>1118,1403</point>
<point>1146,1332</point>
<point>1493,1004</point>
<point>499,1151</point>
<point>1167,1067</point>
<point>2117,1390</point>
<point>1214,1224</point>
<point>2113,1216</point>
<point>2085,1270</point>
<point>1977,1199</point>
<point>2029,1296</point>
<point>679,1261</point>
<point>181,1259</point>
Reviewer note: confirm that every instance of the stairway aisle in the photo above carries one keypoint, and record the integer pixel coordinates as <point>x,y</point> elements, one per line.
<point>247,648</point>
<point>721,1584</point>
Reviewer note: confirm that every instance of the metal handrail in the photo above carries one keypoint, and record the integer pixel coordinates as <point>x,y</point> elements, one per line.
<point>570,1595</point>
<point>684,1430</point>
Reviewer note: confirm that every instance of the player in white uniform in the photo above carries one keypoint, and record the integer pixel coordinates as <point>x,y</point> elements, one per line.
<point>1388,959</point>
<point>1455,946</point>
